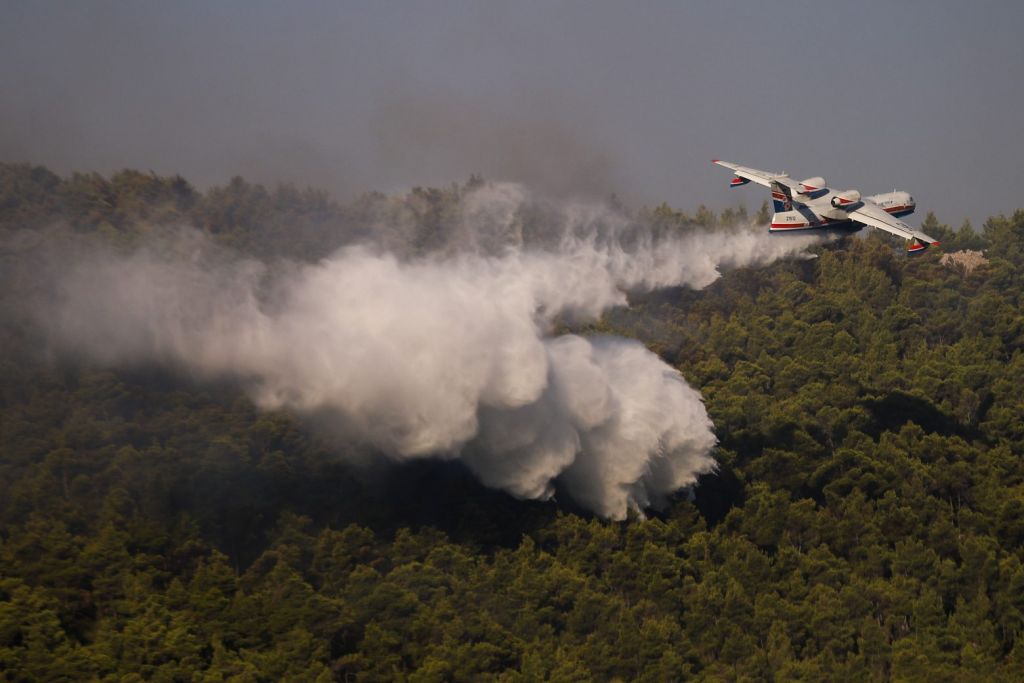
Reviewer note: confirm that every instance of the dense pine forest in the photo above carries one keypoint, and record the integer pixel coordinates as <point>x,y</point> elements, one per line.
<point>865,522</point>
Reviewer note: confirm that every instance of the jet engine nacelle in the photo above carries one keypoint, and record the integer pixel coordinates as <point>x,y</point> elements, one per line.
<point>811,185</point>
<point>847,199</point>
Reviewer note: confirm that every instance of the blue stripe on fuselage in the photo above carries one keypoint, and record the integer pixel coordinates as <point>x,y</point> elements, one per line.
<point>835,226</point>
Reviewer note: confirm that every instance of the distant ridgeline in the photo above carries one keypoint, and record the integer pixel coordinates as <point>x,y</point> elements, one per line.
<point>289,221</point>
<point>866,521</point>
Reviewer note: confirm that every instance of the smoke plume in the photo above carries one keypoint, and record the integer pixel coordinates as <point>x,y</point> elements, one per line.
<point>446,355</point>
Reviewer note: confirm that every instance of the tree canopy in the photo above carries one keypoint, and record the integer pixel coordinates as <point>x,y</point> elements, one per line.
<point>866,521</point>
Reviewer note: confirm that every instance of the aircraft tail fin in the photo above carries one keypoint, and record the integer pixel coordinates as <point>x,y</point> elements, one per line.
<point>782,197</point>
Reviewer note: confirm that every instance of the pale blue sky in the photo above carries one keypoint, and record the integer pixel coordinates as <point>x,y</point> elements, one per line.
<point>570,96</point>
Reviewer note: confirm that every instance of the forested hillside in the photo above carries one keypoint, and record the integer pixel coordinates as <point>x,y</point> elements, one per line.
<point>866,522</point>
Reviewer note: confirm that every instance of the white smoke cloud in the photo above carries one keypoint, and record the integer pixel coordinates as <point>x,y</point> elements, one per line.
<point>440,356</point>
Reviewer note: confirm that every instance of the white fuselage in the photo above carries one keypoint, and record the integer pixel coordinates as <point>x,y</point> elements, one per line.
<point>827,209</point>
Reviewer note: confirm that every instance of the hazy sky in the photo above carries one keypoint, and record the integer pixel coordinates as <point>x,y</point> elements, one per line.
<point>587,96</point>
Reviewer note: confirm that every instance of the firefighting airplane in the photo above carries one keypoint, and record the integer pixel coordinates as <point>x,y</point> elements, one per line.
<point>809,205</point>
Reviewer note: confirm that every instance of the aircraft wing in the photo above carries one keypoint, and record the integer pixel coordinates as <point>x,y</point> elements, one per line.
<point>875,216</point>
<point>760,177</point>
